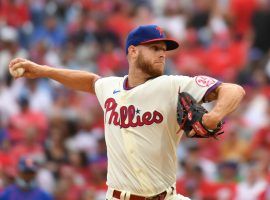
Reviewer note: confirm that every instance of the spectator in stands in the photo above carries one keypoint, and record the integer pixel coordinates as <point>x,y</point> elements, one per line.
<point>261,138</point>
<point>25,186</point>
<point>254,184</point>
<point>10,47</point>
<point>52,32</point>
<point>88,194</point>
<point>26,119</point>
<point>20,13</point>
<point>261,26</point>
<point>55,150</point>
<point>234,147</point>
<point>228,178</point>
<point>28,147</point>
<point>68,186</point>
<point>193,183</point>
<point>7,95</point>
<point>228,171</point>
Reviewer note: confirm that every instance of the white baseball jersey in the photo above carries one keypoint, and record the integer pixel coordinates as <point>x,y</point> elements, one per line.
<point>141,129</point>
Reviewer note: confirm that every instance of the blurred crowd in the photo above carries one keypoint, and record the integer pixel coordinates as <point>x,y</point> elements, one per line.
<point>62,130</point>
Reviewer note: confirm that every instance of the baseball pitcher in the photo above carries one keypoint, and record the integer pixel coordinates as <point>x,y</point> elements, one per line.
<point>145,113</point>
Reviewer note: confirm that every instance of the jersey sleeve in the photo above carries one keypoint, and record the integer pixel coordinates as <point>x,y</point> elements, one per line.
<point>99,90</point>
<point>105,86</point>
<point>197,86</point>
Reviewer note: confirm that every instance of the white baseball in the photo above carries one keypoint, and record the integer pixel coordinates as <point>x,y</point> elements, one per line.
<point>16,73</point>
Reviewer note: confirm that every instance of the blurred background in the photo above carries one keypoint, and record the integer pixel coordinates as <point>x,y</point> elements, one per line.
<point>62,130</point>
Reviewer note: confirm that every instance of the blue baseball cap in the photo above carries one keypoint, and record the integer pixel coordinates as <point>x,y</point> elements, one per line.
<point>147,34</point>
<point>27,164</point>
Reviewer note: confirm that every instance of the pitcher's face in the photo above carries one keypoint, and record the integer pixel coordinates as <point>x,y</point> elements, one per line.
<point>151,58</point>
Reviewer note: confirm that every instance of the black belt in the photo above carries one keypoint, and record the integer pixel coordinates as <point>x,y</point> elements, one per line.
<point>161,196</point>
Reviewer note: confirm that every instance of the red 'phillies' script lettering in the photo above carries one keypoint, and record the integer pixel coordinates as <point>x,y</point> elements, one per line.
<point>126,116</point>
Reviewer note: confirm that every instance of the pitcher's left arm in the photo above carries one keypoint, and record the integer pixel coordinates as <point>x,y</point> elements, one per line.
<point>228,97</point>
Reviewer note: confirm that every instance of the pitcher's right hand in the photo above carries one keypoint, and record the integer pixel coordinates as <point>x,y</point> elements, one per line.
<point>30,69</point>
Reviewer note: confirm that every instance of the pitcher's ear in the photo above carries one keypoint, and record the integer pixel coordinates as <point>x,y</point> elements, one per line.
<point>132,50</point>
